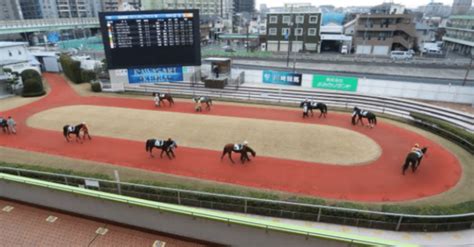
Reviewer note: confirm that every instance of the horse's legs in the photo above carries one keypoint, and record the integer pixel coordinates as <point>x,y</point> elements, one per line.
<point>151,152</point>
<point>230,156</point>
<point>405,166</point>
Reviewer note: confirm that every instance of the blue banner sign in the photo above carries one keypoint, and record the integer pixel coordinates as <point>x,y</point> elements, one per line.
<point>282,78</point>
<point>152,75</point>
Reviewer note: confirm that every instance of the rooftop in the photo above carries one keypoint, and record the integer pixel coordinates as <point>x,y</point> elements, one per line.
<point>8,43</point>
<point>468,17</point>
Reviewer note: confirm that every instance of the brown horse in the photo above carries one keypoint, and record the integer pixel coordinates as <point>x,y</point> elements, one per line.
<point>229,148</point>
<point>76,130</point>
<point>165,96</point>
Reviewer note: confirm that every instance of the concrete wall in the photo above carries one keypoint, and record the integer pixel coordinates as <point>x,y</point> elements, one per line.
<point>148,218</point>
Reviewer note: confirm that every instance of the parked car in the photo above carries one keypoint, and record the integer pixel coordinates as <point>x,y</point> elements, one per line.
<point>344,49</point>
<point>228,48</point>
<point>401,55</point>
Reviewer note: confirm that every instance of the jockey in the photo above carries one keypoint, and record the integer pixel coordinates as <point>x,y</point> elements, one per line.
<point>71,128</point>
<point>239,147</point>
<point>416,149</point>
<point>156,99</point>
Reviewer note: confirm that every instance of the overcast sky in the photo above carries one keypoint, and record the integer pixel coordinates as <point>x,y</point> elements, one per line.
<point>345,3</point>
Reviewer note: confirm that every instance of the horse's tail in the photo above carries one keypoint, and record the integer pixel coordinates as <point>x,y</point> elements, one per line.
<point>65,130</point>
<point>325,108</point>
<point>147,145</point>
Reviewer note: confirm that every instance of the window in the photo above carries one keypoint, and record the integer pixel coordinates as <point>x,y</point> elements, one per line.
<point>287,19</point>
<point>10,53</point>
<point>313,19</point>
<point>272,31</point>
<point>300,19</point>
<point>273,19</point>
<point>299,32</point>
<point>285,32</point>
<point>312,31</point>
<point>19,52</point>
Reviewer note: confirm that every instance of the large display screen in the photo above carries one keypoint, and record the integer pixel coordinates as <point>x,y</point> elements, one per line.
<point>138,39</point>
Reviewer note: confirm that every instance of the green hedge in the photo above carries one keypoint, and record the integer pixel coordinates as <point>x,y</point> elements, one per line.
<point>71,68</point>
<point>96,87</point>
<point>462,137</point>
<point>88,75</point>
<point>33,88</point>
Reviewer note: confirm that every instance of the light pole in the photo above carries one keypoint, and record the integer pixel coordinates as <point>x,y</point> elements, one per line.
<point>296,39</point>
<point>290,25</point>
<point>468,68</point>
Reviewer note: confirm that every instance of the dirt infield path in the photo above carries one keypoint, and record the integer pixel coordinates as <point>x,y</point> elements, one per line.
<point>376,181</point>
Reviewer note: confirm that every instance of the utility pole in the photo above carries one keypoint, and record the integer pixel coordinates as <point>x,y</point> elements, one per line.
<point>247,40</point>
<point>468,68</point>
<point>289,37</point>
<point>296,39</point>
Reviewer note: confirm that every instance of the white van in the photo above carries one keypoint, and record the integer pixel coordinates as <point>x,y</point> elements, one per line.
<point>401,55</point>
<point>344,49</point>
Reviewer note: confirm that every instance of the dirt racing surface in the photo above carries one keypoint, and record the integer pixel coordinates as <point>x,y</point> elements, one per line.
<point>117,124</point>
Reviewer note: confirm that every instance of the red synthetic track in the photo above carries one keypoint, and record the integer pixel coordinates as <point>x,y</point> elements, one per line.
<point>378,181</point>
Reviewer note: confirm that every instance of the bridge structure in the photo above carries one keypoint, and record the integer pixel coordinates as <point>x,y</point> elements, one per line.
<point>44,25</point>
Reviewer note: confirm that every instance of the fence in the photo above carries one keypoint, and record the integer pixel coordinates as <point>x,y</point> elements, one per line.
<point>390,106</point>
<point>282,209</point>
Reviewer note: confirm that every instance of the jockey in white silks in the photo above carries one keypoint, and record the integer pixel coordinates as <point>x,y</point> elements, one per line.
<point>238,147</point>
<point>157,99</point>
<point>417,150</point>
<point>70,128</point>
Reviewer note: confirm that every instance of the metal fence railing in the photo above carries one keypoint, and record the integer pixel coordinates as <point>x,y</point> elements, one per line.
<point>274,208</point>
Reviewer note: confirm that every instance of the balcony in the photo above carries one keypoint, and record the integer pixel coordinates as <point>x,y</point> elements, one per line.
<point>404,42</point>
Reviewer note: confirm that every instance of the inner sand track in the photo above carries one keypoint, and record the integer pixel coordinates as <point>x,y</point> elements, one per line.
<point>284,140</point>
<point>378,181</point>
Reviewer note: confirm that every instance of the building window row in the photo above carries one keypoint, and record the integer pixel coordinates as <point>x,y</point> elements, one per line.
<point>300,19</point>
<point>285,32</point>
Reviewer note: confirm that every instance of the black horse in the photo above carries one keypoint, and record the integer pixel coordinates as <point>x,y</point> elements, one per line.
<point>309,106</point>
<point>358,114</point>
<point>164,96</point>
<point>165,146</point>
<point>413,159</point>
<point>76,130</point>
<point>4,125</point>
<point>229,148</point>
<point>203,99</point>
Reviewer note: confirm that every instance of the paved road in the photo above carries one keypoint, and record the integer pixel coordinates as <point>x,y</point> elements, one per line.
<point>409,74</point>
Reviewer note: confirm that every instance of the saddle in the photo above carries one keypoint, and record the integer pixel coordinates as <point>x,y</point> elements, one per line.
<point>238,147</point>
<point>162,95</point>
<point>159,143</point>
<point>71,129</point>
<point>364,113</point>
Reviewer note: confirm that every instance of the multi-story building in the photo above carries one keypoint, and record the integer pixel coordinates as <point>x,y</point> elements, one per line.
<point>244,6</point>
<point>39,9</point>
<point>461,7</point>
<point>459,37</point>
<point>293,31</point>
<point>296,8</point>
<point>74,8</point>
<point>387,27</point>
<point>425,34</point>
<point>433,9</point>
<point>207,8</point>
<point>10,10</point>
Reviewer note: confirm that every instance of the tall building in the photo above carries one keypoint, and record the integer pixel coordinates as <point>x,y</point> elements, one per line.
<point>74,8</point>
<point>459,37</point>
<point>294,31</point>
<point>387,27</point>
<point>435,9</point>
<point>39,9</point>
<point>244,6</point>
<point>208,9</point>
<point>10,10</point>
<point>461,7</point>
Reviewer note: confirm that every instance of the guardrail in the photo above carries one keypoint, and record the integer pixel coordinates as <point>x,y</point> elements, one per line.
<point>229,219</point>
<point>274,208</point>
<point>18,26</point>
<point>391,106</point>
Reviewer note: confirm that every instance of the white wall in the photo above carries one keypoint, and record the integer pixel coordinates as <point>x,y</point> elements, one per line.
<point>18,52</point>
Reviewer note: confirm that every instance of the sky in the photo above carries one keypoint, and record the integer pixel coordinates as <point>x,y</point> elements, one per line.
<point>345,3</point>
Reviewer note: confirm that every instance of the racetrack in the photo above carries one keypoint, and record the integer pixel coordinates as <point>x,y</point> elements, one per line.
<point>371,180</point>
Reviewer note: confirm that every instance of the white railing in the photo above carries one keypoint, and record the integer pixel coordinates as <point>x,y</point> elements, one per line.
<point>46,24</point>
<point>391,106</point>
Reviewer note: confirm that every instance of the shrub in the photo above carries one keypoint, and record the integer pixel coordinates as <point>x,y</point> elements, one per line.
<point>96,87</point>
<point>88,75</point>
<point>464,138</point>
<point>30,74</point>
<point>71,68</point>
<point>7,70</point>
<point>33,88</point>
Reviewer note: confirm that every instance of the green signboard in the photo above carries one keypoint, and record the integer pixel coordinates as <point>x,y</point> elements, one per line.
<point>335,83</point>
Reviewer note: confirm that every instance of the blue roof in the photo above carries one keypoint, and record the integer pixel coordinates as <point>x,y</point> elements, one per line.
<point>333,17</point>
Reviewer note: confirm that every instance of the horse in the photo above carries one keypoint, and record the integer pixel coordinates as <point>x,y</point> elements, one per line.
<point>4,125</point>
<point>165,146</point>
<point>228,148</point>
<point>358,114</point>
<point>203,99</point>
<point>413,159</point>
<point>165,96</point>
<point>312,105</point>
<point>76,130</point>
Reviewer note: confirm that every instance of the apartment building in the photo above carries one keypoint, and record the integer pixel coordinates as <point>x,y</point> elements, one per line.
<point>74,8</point>
<point>294,31</point>
<point>459,37</point>
<point>10,10</point>
<point>386,28</point>
<point>461,7</point>
<point>207,8</point>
